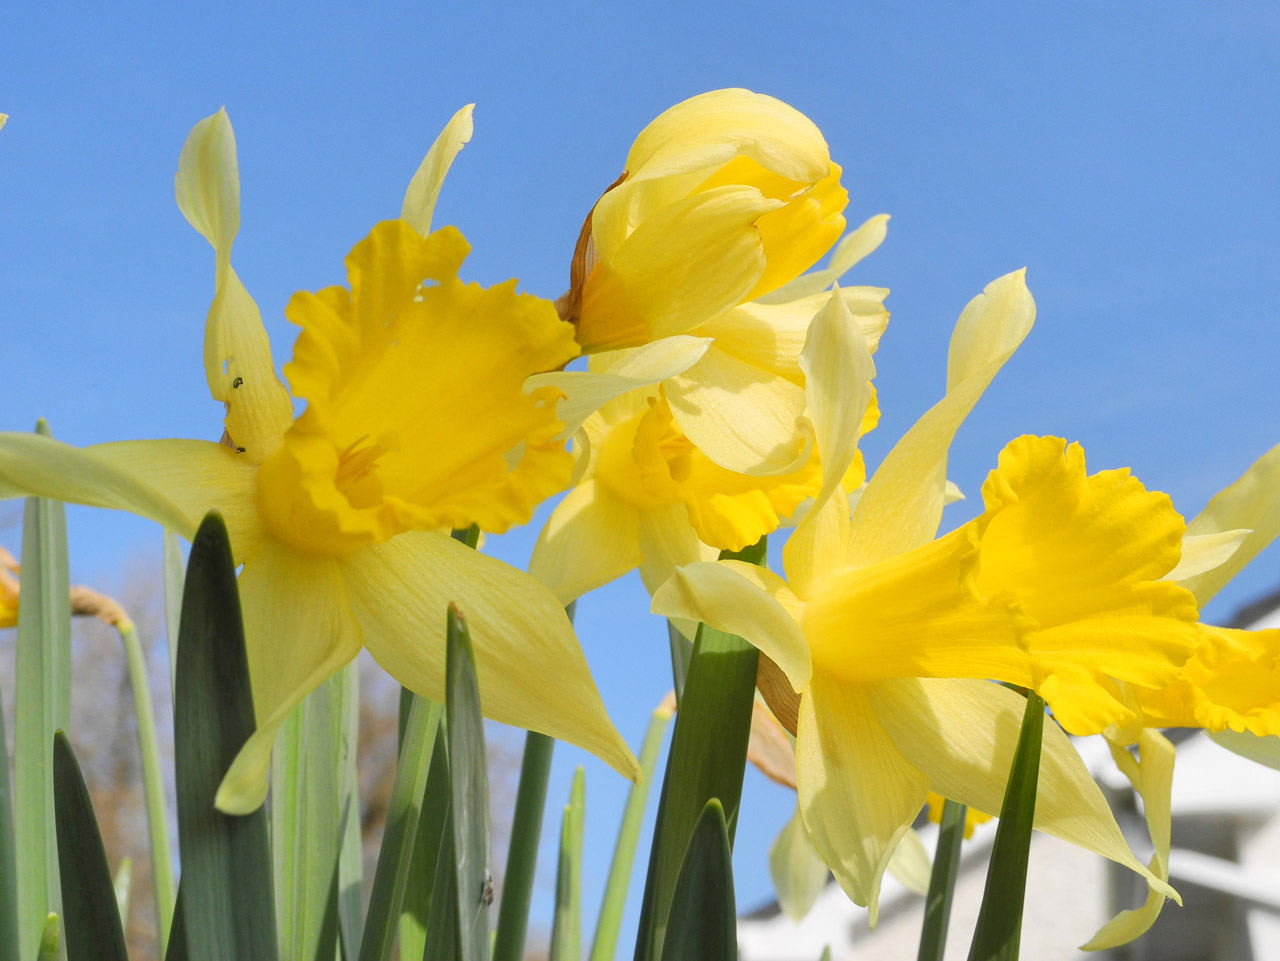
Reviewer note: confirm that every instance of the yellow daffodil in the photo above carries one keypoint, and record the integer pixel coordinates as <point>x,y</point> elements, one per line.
<point>727,199</point>
<point>8,574</point>
<point>650,498</point>
<point>888,635</point>
<point>416,421</point>
<point>972,817</point>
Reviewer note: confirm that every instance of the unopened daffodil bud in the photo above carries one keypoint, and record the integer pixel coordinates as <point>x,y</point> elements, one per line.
<point>725,198</point>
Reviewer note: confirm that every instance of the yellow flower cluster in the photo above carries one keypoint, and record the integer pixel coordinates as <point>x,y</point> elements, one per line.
<point>725,395</point>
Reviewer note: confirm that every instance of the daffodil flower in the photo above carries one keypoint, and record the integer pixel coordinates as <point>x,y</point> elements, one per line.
<point>416,421</point>
<point>888,636</point>
<point>697,254</point>
<point>650,498</point>
<point>8,580</point>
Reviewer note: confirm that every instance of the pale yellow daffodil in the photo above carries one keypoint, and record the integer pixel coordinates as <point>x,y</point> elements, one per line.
<point>888,636</point>
<point>727,199</point>
<point>9,589</point>
<point>650,498</point>
<point>416,421</point>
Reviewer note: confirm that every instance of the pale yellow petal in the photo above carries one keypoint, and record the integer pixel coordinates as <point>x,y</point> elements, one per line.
<point>667,541</point>
<point>589,540</point>
<point>848,252</point>
<point>33,464</point>
<point>902,504</point>
<point>530,668</point>
<point>424,188</point>
<point>712,128</point>
<point>910,863</point>
<point>198,476</point>
<point>798,871</point>
<point>744,418</point>
<point>1152,777</point>
<point>963,734</point>
<point>858,794</point>
<point>1252,502</point>
<point>237,353</point>
<point>1204,552</point>
<point>746,600</point>
<point>298,630</point>
<point>818,547</point>
<point>586,391</point>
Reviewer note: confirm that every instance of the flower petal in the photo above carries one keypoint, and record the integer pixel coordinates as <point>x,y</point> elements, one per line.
<point>586,391</point>
<point>746,600</point>
<point>1203,552</point>
<point>902,504</point>
<point>198,476</point>
<point>848,252</point>
<point>858,794</point>
<point>743,417</point>
<point>32,464</point>
<point>589,540</point>
<point>237,352</point>
<point>530,667</point>
<point>963,734</point>
<point>299,630</point>
<point>424,189</point>
<point>1252,502</point>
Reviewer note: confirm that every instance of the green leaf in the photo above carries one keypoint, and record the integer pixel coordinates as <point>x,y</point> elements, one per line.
<point>704,920</point>
<point>122,884</point>
<point>92,915</point>
<point>42,705</point>
<point>351,853</point>
<point>999,927</point>
<point>708,754</point>
<point>681,654</point>
<point>443,936</point>
<point>826,954</point>
<point>799,874</point>
<point>419,892</point>
<point>604,944</point>
<point>522,850</point>
<point>396,854</point>
<point>177,949</point>
<point>226,866</point>
<point>49,949</point>
<point>1260,750</point>
<point>8,864</point>
<point>469,782</point>
<point>942,882</point>
<point>566,929</point>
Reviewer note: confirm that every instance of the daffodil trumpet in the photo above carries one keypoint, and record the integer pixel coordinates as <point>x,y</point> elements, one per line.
<point>416,421</point>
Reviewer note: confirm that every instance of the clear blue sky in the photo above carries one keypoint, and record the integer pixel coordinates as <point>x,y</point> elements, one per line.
<point>1124,152</point>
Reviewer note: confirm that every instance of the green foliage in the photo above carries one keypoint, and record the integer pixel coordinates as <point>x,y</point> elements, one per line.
<point>703,923</point>
<point>566,928</point>
<point>942,882</point>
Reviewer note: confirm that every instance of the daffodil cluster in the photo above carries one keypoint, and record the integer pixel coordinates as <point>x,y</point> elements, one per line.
<point>726,389</point>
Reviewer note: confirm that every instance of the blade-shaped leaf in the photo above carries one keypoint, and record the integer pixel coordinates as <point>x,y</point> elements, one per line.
<point>228,906</point>
<point>522,850</point>
<point>122,883</point>
<point>942,882</point>
<point>42,705</point>
<point>703,923</point>
<point>469,782</point>
<point>92,916</point>
<point>566,929</point>
<point>420,891</point>
<point>708,754</point>
<point>999,927</point>
<point>8,866</point>
<point>49,949</point>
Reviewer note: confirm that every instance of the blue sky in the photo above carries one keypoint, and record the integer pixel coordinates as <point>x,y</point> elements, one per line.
<point>1124,153</point>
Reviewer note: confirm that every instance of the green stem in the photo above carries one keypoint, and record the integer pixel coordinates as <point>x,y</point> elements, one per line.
<point>605,943</point>
<point>8,867</point>
<point>942,882</point>
<point>522,851</point>
<point>152,783</point>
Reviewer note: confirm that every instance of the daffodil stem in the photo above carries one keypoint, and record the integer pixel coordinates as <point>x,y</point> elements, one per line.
<point>942,882</point>
<point>605,943</point>
<point>152,783</point>
<point>522,851</point>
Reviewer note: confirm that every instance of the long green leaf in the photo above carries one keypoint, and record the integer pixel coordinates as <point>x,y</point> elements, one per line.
<point>152,782</point>
<point>227,905</point>
<point>122,883</point>
<point>42,705</point>
<point>469,784</point>
<point>999,927</point>
<point>351,853</point>
<point>566,929</point>
<point>92,918</point>
<point>522,850</point>
<point>50,949</point>
<point>708,754</point>
<point>396,854</point>
<point>704,919</point>
<point>605,943</point>
<point>177,950</point>
<point>443,935</point>
<point>420,892</point>
<point>8,863</point>
<point>942,882</point>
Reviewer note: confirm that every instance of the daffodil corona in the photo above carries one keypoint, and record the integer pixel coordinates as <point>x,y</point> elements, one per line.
<point>416,421</point>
